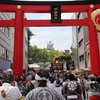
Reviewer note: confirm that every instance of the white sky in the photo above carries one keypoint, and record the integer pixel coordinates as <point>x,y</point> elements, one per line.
<point>61,37</point>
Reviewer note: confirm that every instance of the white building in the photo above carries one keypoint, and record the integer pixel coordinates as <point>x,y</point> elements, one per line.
<point>50,46</point>
<point>6,48</point>
<point>7,44</point>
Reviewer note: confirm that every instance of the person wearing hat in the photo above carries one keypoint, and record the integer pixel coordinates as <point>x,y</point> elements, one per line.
<point>42,92</point>
<point>9,91</point>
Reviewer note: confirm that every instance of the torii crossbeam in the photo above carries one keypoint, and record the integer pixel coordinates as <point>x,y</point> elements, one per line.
<point>21,7</point>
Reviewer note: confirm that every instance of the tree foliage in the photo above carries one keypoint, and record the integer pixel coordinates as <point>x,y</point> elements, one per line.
<point>50,55</point>
<point>40,55</point>
<point>30,34</point>
<point>73,52</point>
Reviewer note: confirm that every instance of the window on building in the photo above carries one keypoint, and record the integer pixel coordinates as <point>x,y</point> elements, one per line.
<point>81,58</point>
<point>2,29</point>
<point>78,15</point>
<point>80,42</point>
<point>3,50</point>
<point>7,31</point>
<point>7,53</point>
<point>79,29</point>
<point>88,56</point>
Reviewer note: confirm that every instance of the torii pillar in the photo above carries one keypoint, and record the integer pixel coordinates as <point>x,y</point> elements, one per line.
<point>18,42</point>
<point>94,46</point>
<point>94,51</point>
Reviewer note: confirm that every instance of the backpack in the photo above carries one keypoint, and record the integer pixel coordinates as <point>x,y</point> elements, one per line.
<point>72,87</point>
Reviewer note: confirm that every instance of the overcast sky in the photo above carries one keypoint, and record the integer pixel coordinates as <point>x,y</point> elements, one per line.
<point>61,37</point>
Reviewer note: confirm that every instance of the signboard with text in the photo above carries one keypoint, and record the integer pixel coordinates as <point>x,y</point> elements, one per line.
<point>55,13</point>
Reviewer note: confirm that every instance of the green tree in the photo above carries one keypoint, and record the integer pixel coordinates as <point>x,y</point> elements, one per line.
<point>30,34</point>
<point>35,54</point>
<point>43,55</point>
<point>73,52</point>
<point>50,55</point>
<point>30,54</point>
<point>30,48</point>
<point>38,55</point>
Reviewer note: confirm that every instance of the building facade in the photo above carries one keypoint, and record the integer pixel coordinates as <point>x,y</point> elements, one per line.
<point>83,53</point>
<point>7,44</point>
<point>50,46</point>
<point>74,44</point>
<point>25,50</point>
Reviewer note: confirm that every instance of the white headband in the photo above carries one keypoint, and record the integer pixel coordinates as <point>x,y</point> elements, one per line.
<point>37,77</point>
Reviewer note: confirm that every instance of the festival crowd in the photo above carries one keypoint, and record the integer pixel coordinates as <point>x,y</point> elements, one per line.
<point>45,85</point>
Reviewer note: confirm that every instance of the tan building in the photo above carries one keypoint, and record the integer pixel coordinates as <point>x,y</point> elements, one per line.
<point>83,43</point>
<point>83,52</point>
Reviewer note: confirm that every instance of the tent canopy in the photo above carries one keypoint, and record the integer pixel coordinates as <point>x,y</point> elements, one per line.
<point>34,65</point>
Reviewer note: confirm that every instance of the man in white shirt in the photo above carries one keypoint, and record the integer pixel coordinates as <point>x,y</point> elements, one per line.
<point>8,92</point>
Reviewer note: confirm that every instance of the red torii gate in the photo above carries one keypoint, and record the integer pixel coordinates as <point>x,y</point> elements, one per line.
<point>19,22</point>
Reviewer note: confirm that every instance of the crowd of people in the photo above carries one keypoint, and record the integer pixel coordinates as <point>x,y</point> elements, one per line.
<point>45,85</point>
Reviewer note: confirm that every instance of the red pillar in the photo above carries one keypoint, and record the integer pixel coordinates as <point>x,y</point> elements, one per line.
<point>18,43</point>
<point>95,98</point>
<point>94,51</point>
<point>94,47</point>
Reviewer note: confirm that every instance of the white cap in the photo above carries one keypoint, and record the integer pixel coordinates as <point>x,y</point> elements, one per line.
<point>9,70</point>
